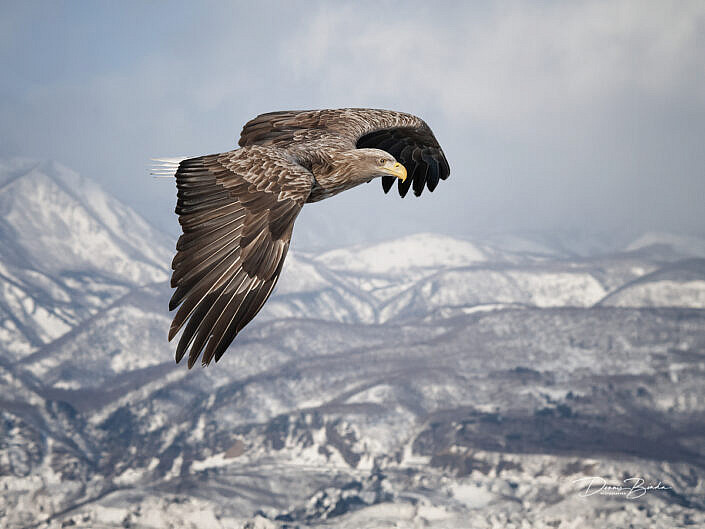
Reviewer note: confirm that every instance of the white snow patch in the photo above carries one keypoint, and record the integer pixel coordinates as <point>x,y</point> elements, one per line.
<point>488,307</point>
<point>68,384</point>
<point>218,460</point>
<point>402,255</point>
<point>473,496</point>
<point>129,477</point>
<point>175,469</point>
<point>549,289</point>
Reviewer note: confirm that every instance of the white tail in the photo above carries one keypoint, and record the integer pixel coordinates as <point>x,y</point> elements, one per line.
<point>165,167</point>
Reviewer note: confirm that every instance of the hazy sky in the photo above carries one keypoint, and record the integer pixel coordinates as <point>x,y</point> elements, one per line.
<point>553,115</point>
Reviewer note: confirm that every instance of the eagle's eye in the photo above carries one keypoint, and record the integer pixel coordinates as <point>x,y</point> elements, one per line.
<point>382,161</point>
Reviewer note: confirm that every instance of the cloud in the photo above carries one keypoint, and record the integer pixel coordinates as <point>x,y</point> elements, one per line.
<point>509,65</point>
<point>553,114</point>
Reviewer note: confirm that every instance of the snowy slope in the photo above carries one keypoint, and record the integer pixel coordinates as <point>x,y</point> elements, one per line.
<point>681,284</point>
<point>404,256</point>
<point>467,287</point>
<point>52,211</point>
<point>664,293</point>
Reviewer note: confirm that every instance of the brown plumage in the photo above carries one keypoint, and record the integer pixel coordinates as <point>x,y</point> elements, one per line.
<point>237,209</point>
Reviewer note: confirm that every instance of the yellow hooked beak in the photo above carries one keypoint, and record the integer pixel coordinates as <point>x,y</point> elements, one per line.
<point>395,169</point>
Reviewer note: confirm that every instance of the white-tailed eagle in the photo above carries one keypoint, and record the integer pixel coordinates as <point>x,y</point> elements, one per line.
<point>237,209</point>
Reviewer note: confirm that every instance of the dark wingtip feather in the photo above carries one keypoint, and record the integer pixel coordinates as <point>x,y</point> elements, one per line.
<point>404,186</point>
<point>176,299</point>
<point>420,178</point>
<point>178,356</point>
<point>173,330</point>
<point>445,167</point>
<point>192,357</point>
<point>432,175</point>
<point>387,183</point>
<point>205,361</point>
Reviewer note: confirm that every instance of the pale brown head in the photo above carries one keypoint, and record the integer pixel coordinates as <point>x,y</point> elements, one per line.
<point>362,165</point>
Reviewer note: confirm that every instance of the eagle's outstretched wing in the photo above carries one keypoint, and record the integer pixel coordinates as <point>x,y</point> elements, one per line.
<point>237,211</point>
<point>406,137</point>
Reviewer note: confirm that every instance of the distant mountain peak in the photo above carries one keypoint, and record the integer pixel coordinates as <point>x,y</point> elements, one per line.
<point>421,250</point>
<point>62,222</point>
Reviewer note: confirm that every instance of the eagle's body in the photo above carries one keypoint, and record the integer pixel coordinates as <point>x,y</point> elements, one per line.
<point>237,209</point>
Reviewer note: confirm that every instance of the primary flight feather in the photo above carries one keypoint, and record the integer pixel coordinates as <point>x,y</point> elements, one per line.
<point>237,209</point>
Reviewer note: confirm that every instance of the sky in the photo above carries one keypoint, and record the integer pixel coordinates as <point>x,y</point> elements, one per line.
<point>554,116</point>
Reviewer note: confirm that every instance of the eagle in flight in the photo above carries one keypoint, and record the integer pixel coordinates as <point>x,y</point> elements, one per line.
<point>237,209</point>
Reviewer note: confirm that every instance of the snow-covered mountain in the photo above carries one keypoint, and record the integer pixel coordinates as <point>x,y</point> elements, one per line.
<point>420,382</point>
<point>68,250</point>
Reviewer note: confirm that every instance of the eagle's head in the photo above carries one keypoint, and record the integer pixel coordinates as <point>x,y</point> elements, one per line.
<point>376,162</point>
<point>362,165</point>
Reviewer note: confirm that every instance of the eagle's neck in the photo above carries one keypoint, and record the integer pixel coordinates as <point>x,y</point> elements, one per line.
<point>333,174</point>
